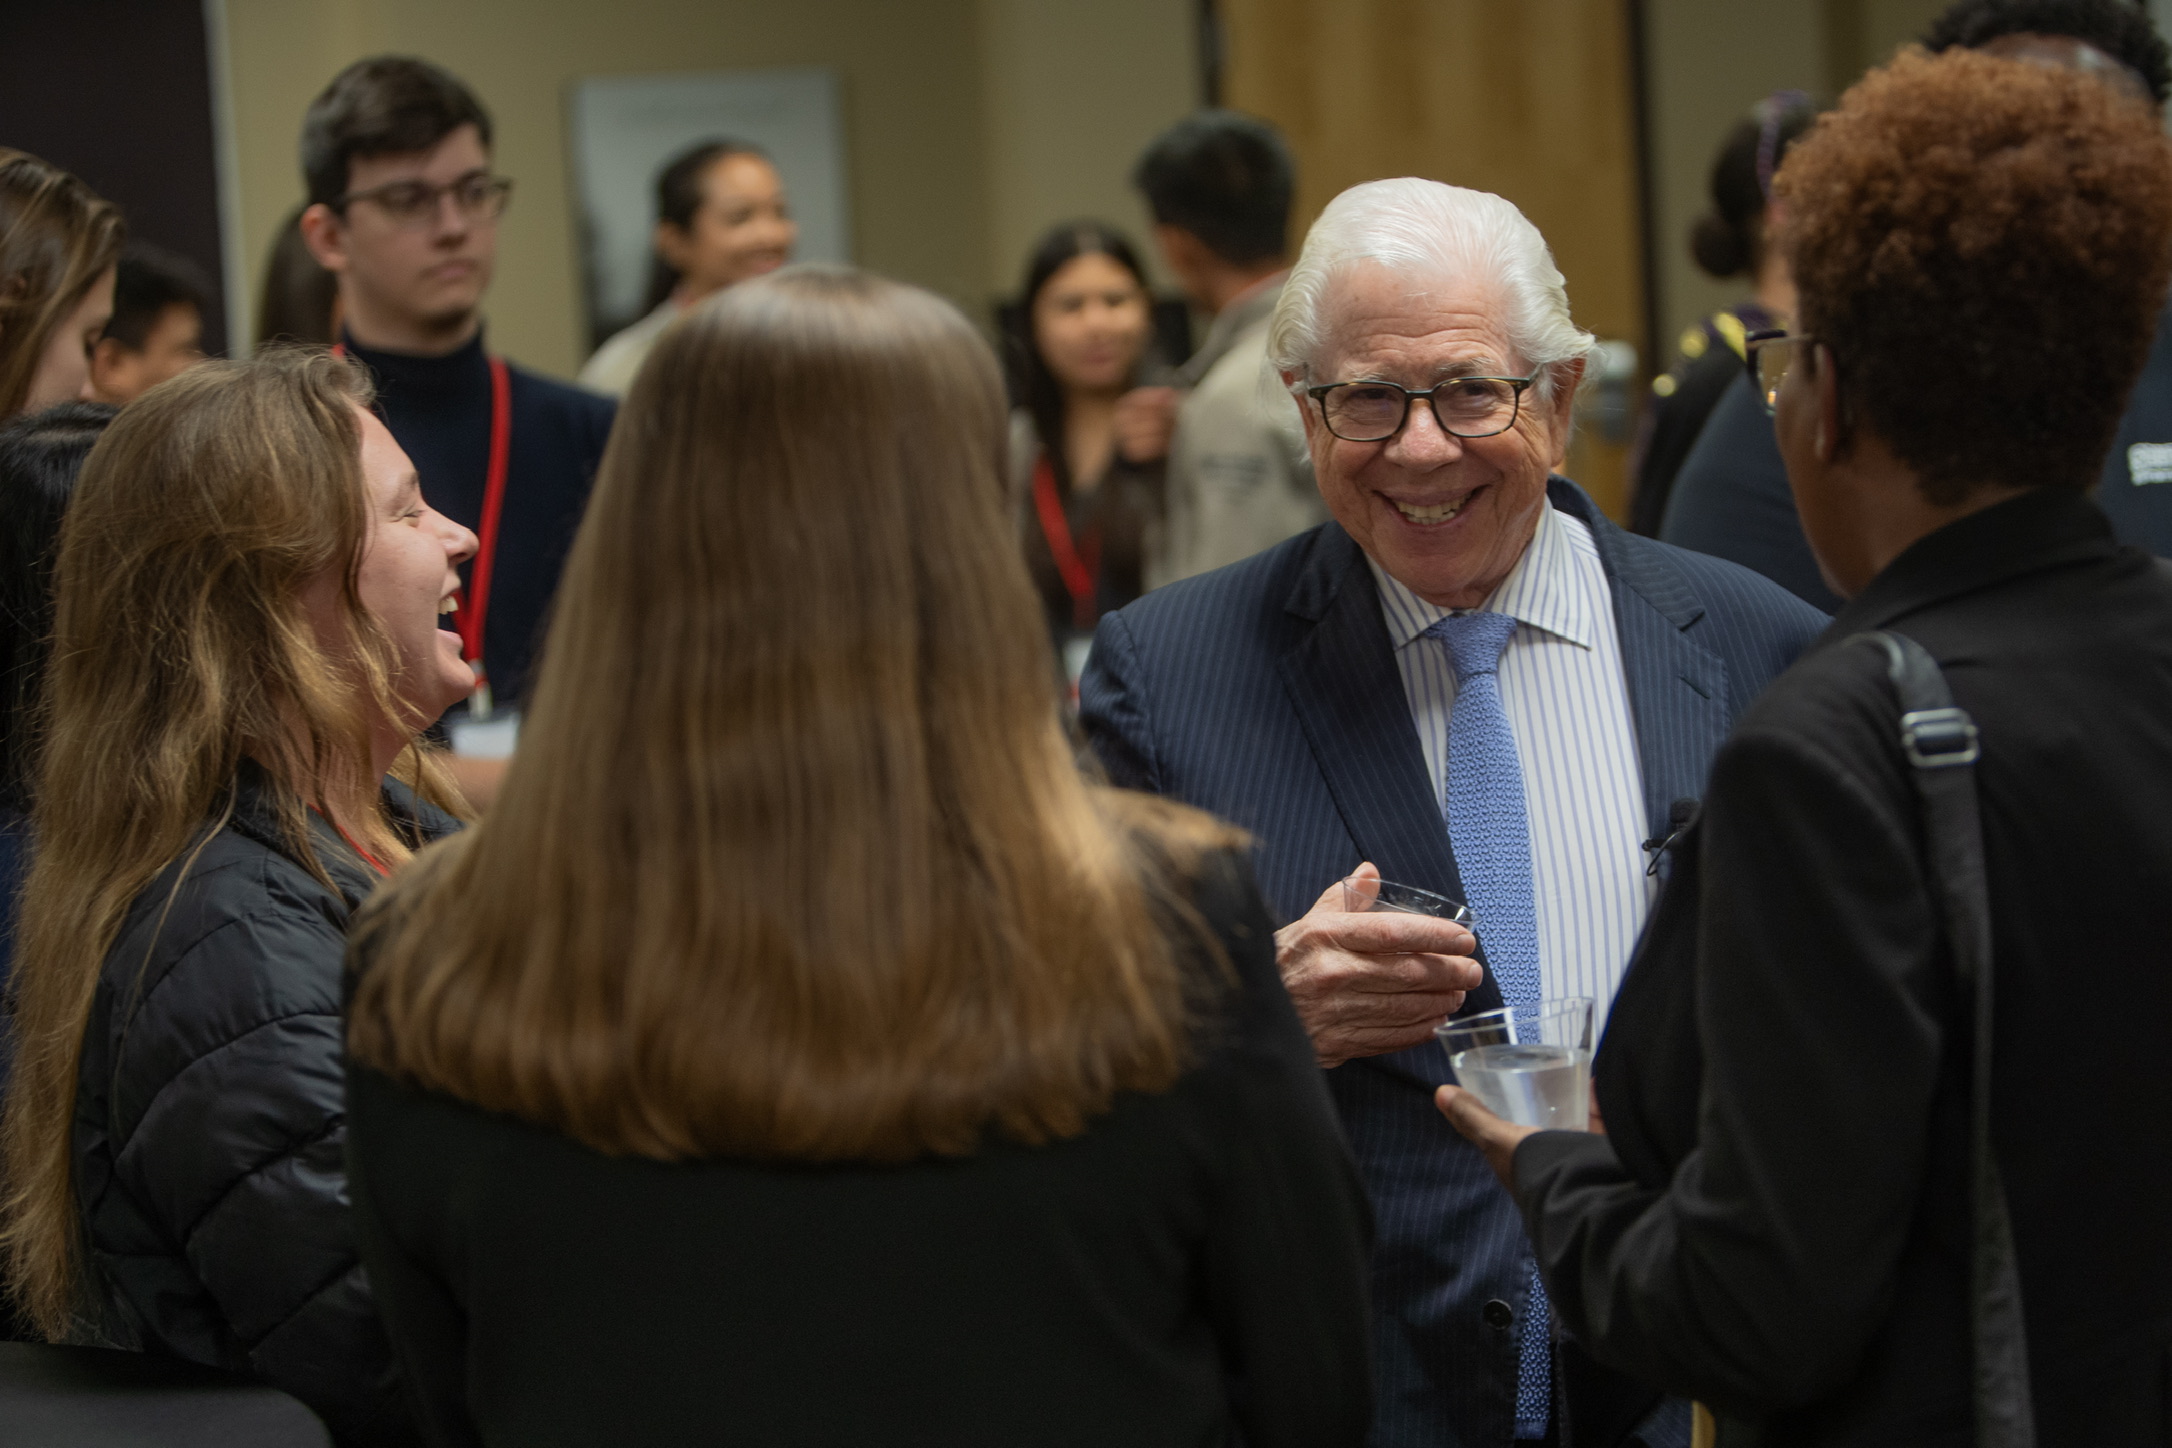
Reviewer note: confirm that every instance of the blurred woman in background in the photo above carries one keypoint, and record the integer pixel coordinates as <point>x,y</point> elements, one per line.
<point>801,1051</point>
<point>721,218</point>
<point>300,301</point>
<point>246,649</point>
<point>1728,241</point>
<point>1079,339</point>
<point>59,244</point>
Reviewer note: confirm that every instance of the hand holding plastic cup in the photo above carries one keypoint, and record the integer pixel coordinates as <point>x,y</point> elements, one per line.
<point>1530,1065</point>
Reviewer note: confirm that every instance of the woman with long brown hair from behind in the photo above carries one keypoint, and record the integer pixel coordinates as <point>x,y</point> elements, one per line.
<point>801,1051</point>
<point>59,245</point>
<point>246,606</point>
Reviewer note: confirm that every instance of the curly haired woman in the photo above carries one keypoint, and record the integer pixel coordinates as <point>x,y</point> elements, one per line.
<point>1785,1216</point>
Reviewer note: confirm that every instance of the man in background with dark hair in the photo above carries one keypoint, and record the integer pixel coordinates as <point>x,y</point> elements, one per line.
<point>157,329</point>
<point>1731,498</point>
<point>404,211</point>
<point>1219,184</point>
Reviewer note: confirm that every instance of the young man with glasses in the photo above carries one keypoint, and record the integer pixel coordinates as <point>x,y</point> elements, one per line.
<point>404,210</point>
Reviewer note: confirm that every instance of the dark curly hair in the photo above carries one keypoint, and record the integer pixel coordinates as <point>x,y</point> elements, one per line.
<point>2121,30</point>
<point>1984,246</point>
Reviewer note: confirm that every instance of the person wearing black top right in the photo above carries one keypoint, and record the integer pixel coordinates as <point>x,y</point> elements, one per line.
<point>1779,1218</point>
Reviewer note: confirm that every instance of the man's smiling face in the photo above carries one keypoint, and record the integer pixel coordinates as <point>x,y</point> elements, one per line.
<point>1447,517</point>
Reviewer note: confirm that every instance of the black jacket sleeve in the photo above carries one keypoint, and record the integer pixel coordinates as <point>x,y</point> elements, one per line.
<point>1757,1276</point>
<point>1287,1250</point>
<point>237,1152</point>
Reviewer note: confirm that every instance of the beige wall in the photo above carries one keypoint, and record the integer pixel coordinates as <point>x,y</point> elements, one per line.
<point>1074,91</point>
<point>969,124</point>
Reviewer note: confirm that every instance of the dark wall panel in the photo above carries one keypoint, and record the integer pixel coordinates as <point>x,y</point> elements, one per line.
<point>119,92</point>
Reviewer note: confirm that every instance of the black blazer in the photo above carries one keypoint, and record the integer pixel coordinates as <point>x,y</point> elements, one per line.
<point>1192,1265</point>
<point>1777,1222</point>
<point>1267,693</point>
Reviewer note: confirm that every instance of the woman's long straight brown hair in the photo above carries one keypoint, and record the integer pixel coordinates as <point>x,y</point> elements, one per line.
<point>181,647</point>
<point>794,861</point>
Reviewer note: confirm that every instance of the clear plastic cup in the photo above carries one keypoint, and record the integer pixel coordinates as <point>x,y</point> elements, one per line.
<point>1359,895</point>
<point>1529,1064</point>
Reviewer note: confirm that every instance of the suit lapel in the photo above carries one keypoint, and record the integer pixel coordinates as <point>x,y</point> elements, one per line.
<point>1348,697</point>
<point>1678,689</point>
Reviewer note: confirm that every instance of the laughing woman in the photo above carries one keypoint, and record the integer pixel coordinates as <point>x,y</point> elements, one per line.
<point>246,649</point>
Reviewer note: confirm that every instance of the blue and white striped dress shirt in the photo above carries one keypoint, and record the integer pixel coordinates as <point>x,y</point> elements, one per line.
<point>1567,702</point>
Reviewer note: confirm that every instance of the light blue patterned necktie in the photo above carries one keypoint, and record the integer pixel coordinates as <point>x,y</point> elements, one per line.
<point>1491,838</point>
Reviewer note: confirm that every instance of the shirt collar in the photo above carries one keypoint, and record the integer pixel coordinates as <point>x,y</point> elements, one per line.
<point>1542,591</point>
<point>2042,528</point>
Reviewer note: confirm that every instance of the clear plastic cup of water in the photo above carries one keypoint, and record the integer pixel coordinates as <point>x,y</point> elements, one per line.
<point>1528,1064</point>
<point>1359,895</point>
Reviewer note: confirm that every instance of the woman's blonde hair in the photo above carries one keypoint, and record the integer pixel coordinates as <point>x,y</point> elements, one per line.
<point>57,237</point>
<point>795,861</point>
<point>182,646</point>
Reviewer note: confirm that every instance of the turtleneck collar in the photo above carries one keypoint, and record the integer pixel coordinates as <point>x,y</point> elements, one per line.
<point>414,377</point>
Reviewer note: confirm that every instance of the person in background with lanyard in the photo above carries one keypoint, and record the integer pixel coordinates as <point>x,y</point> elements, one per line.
<point>404,211</point>
<point>1077,340</point>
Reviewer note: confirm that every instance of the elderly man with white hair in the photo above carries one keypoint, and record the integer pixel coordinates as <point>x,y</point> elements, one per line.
<point>1468,681</point>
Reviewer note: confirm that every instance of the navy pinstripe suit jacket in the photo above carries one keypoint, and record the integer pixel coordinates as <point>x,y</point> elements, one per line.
<point>1267,693</point>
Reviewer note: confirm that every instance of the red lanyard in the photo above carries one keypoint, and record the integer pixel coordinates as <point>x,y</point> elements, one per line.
<point>476,606</point>
<point>1077,562</point>
<point>475,598</point>
<point>352,843</point>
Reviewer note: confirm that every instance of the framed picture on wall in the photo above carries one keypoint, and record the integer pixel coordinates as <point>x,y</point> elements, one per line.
<point>626,129</point>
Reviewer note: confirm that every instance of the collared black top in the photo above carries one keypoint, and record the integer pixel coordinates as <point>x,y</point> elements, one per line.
<point>439,409</point>
<point>1777,1222</point>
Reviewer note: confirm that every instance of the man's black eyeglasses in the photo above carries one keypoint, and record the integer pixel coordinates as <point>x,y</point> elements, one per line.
<point>1373,411</point>
<point>479,195</point>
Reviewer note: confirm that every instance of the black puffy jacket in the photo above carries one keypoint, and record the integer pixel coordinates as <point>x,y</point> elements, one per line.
<point>210,1121</point>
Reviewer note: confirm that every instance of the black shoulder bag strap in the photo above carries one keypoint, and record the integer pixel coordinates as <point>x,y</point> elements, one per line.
<point>1940,743</point>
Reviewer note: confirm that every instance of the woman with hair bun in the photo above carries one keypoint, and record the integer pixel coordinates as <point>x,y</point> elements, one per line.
<point>1728,241</point>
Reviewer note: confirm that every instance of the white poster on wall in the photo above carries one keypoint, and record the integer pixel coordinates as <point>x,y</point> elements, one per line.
<point>625,129</point>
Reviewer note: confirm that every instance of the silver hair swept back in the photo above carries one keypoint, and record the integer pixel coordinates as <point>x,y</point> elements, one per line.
<point>1426,228</point>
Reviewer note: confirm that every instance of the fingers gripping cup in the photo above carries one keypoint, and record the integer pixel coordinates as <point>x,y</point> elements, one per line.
<point>1359,895</point>
<point>1528,1064</point>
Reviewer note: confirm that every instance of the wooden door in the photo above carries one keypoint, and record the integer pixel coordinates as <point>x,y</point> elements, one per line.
<point>1531,99</point>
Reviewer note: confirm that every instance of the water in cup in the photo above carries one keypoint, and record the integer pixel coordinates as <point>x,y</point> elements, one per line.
<point>1544,1086</point>
<point>1529,1064</point>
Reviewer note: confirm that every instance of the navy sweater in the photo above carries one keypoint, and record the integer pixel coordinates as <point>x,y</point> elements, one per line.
<point>439,409</point>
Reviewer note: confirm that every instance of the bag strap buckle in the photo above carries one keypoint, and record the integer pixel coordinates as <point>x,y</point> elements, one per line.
<point>1939,738</point>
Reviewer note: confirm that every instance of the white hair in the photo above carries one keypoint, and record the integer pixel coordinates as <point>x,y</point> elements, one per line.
<point>1430,229</point>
